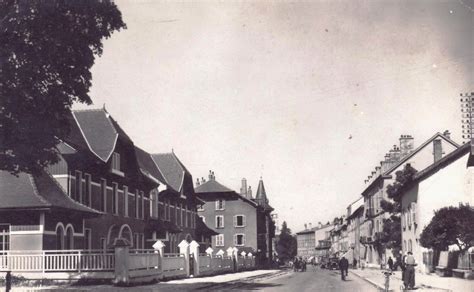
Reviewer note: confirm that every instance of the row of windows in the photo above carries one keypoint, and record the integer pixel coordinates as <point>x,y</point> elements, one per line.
<point>81,191</point>
<point>182,215</point>
<point>239,221</point>
<point>239,239</point>
<point>409,216</point>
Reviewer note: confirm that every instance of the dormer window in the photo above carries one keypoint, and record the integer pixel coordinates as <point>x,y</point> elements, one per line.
<point>115,165</point>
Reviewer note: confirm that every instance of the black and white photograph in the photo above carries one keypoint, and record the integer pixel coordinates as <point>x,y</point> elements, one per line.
<point>236,145</point>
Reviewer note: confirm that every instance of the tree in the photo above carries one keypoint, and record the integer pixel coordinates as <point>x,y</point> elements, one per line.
<point>286,246</point>
<point>46,53</point>
<point>449,226</point>
<point>391,235</point>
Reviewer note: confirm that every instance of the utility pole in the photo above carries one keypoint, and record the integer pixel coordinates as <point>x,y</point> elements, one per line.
<point>467,113</point>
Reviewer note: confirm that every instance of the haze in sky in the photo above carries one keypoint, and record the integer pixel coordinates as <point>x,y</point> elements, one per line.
<point>310,96</point>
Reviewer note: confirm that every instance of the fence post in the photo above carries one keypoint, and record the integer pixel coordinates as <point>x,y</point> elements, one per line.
<point>209,251</point>
<point>184,250</point>
<point>122,264</point>
<point>235,254</point>
<point>159,247</point>
<point>194,248</point>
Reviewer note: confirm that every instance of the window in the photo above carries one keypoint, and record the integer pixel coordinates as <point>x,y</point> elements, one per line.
<point>410,245</point>
<point>115,166</point>
<point>404,224</point>
<point>87,239</point>
<point>103,243</point>
<point>219,221</point>
<point>408,212</point>
<point>125,201</point>
<point>136,241</point>
<point>220,240</point>
<point>136,203</point>
<point>220,204</point>
<point>87,195</point>
<point>78,195</point>
<point>186,217</point>
<point>103,192</point>
<point>4,237</point>
<point>413,212</point>
<point>115,198</point>
<point>239,220</point>
<point>142,205</point>
<point>239,239</point>
<point>153,204</point>
<point>69,243</point>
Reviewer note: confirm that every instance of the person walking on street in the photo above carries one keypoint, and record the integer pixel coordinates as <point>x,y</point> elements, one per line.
<point>410,264</point>
<point>343,266</point>
<point>354,264</point>
<point>390,263</point>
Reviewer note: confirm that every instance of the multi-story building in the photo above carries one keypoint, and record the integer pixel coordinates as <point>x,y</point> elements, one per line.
<point>103,188</point>
<point>355,215</point>
<point>430,151</point>
<point>314,241</point>
<point>243,222</point>
<point>447,182</point>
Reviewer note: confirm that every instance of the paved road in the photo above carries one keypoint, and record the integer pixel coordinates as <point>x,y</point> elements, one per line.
<point>317,280</point>
<point>311,280</point>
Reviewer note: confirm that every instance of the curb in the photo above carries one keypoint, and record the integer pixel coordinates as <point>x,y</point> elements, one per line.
<point>376,285</point>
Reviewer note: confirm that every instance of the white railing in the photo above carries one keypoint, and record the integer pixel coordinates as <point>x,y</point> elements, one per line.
<point>56,261</point>
<point>173,265</point>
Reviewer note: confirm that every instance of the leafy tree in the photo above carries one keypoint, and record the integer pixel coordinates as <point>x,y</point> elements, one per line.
<point>449,226</point>
<point>391,235</point>
<point>286,246</point>
<point>46,53</point>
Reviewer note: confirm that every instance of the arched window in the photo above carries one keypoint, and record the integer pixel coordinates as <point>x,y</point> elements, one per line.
<point>59,237</point>
<point>410,245</point>
<point>69,242</point>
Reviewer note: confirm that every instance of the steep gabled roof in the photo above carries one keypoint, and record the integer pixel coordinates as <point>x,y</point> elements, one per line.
<point>171,168</point>
<point>36,192</point>
<point>212,186</point>
<point>404,159</point>
<point>418,149</point>
<point>443,162</point>
<point>98,131</point>
<point>148,166</point>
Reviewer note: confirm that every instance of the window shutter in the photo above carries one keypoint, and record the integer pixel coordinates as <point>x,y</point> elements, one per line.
<point>243,239</point>
<point>217,221</point>
<point>217,204</point>
<point>244,220</point>
<point>235,239</point>
<point>235,220</point>
<point>403,219</point>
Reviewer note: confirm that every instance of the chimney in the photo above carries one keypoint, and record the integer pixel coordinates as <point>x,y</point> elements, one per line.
<point>210,175</point>
<point>197,182</point>
<point>243,188</point>
<point>406,144</point>
<point>249,192</point>
<point>447,134</point>
<point>202,180</point>
<point>396,153</point>
<point>310,225</point>
<point>320,225</point>
<point>305,226</point>
<point>437,150</point>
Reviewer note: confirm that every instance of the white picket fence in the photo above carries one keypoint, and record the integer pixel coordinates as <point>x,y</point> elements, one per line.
<point>57,260</point>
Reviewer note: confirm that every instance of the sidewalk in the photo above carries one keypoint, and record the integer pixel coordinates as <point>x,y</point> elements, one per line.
<point>187,284</point>
<point>422,281</point>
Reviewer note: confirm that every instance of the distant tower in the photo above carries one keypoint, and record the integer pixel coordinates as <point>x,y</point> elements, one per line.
<point>261,196</point>
<point>467,110</point>
<point>243,188</point>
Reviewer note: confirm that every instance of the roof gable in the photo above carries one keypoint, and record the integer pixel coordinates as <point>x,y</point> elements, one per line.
<point>148,166</point>
<point>171,168</point>
<point>212,186</point>
<point>98,131</point>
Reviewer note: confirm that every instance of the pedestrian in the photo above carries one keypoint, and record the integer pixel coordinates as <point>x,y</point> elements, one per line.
<point>354,264</point>
<point>403,267</point>
<point>343,266</point>
<point>410,264</point>
<point>390,263</point>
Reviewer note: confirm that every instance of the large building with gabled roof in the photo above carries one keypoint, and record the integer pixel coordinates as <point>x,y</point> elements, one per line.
<point>241,221</point>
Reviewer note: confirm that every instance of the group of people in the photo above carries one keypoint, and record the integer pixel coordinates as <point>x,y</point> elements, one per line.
<point>407,265</point>
<point>299,264</point>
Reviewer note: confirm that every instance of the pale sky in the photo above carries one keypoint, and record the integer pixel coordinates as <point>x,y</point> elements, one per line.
<point>276,89</point>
